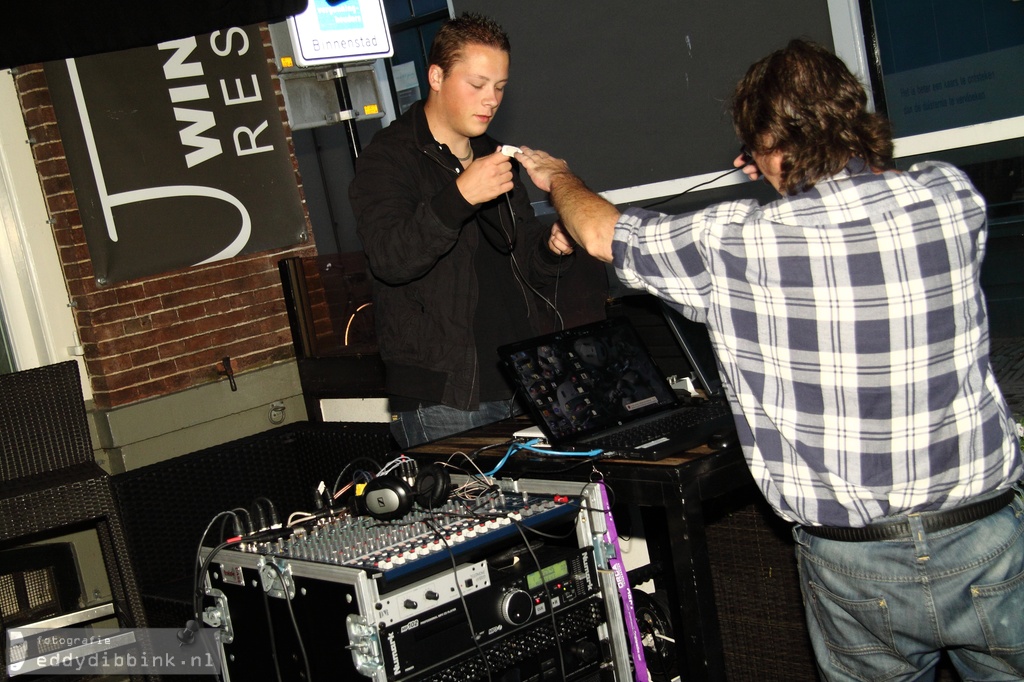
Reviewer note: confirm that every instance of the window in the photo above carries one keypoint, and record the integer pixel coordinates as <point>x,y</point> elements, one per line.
<point>37,325</point>
<point>413,26</point>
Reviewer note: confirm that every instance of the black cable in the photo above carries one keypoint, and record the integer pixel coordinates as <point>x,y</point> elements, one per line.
<point>573,464</point>
<point>247,528</point>
<point>275,520</point>
<point>508,241</point>
<point>558,279</point>
<point>462,598</point>
<point>492,446</point>
<point>259,516</point>
<point>204,566</point>
<point>518,272</point>
<point>270,632</point>
<point>509,245</point>
<point>295,622</point>
<point>223,526</point>
<point>690,189</point>
<point>197,588</point>
<point>551,602</point>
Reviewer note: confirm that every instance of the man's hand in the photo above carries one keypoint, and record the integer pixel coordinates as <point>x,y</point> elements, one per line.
<point>587,217</point>
<point>486,178</point>
<point>541,166</point>
<point>749,169</point>
<point>559,241</point>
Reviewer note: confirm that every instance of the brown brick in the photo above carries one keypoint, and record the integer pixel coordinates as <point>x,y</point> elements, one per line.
<point>163,369</point>
<point>100,333</point>
<point>145,356</point>
<point>61,234</point>
<point>115,364</point>
<point>116,345</point>
<point>131,377</point>
<point>30,77</point>
<point>37,117</point>
<point>34,99</point>
<point>101,298</point>
<point>164,318</point>
<point>61,200</point>
<point>114,313</point>
<point>173,349</point>
<point>147,307</point>
<point>172,384</point>
<point>53,167</point>
<point>128,292</point>
<point>180,331</point>
<point>44,132</point>
<point>183,297</point>
<point>138,325</point>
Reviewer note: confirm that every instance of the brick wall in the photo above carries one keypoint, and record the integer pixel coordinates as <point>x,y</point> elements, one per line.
<point>158,335</point>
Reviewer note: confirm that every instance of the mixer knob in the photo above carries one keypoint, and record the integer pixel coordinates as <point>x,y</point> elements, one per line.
<point>516,607</point>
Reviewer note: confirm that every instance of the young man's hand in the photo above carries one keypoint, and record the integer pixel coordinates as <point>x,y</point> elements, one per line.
<point>559,241</point>
<point>486,178</point>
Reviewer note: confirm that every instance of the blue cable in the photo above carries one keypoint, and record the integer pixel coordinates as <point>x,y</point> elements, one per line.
<point>529,445</point>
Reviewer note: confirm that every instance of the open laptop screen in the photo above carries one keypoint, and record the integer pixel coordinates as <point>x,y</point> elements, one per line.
<point>588,379</point>
<point>693,338</point>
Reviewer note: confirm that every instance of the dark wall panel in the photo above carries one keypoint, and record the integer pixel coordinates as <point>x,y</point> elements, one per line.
<point>634,93</point>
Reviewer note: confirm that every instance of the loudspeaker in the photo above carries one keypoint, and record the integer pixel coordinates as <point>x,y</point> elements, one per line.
<point>389,497</point>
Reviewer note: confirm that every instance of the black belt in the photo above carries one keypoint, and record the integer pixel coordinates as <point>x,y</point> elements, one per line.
<point>932,521</point>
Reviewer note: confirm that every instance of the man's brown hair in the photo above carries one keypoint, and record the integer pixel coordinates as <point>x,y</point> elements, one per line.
<point>804,101</point>
<point>467,29</point>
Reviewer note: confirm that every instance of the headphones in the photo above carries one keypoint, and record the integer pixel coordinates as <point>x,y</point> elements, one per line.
<point>390,497</point>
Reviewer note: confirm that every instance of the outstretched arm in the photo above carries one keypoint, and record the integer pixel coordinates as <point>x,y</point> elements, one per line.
<point>588,217</point>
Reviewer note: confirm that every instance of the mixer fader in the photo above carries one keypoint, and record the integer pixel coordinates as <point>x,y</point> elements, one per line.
<point>422,537</point>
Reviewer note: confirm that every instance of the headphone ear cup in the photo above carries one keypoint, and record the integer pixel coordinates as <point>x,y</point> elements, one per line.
<point>387,498</point>
<point>433,485</point>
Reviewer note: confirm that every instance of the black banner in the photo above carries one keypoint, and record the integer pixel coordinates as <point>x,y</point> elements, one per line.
<point>177,153</point>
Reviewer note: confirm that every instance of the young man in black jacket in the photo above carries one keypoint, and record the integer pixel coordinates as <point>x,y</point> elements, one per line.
<point>453,245</point>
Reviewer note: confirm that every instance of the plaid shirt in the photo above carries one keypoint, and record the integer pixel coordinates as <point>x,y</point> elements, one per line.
<point>851,330</point>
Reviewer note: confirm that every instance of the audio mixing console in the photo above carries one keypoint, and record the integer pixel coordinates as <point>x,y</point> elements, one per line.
<point>511,585</point>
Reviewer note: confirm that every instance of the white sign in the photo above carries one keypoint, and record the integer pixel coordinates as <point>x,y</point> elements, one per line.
<point>332,31</point>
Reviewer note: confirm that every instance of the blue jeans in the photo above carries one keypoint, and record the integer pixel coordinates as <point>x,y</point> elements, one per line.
<point>437,421</point>
<point>884,610</point>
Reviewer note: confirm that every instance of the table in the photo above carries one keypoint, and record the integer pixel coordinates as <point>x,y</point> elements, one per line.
<point>670,494</point>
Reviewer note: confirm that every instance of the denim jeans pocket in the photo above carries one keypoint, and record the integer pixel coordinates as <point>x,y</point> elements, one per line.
<point>858,634</point>
<point>1000,607</point>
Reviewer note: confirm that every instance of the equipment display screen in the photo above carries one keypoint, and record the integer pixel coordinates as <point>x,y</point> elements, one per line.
<point>547,574</point>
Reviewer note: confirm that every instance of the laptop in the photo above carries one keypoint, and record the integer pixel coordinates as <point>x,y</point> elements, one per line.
<point>597,386</point>
<point>695,343</point>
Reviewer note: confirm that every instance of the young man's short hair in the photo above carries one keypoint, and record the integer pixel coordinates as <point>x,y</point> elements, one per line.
<point>468,29</point>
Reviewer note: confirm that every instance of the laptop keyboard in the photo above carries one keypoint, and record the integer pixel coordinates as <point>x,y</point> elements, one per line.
<point>663,427</point>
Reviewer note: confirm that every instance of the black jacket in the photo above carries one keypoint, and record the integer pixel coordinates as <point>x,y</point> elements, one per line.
<point>420,237</point>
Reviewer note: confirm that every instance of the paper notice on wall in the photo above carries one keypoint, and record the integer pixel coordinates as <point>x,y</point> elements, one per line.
<point>407,85</point>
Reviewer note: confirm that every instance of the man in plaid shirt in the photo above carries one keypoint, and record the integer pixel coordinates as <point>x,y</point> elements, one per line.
<point>851,328</point>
